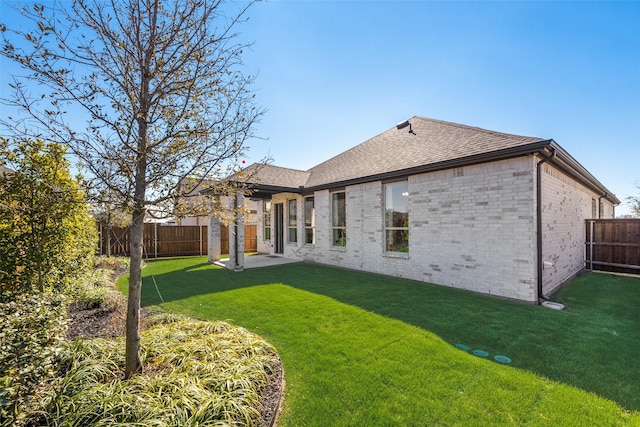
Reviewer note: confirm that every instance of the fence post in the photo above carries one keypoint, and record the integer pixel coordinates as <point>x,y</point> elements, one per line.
<point>201,240</point>
<point>591,245</point>
<point>155,239</point>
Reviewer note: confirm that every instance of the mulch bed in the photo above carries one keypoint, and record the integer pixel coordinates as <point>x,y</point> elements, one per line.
<point>100,323</point>
<point>92,323</point>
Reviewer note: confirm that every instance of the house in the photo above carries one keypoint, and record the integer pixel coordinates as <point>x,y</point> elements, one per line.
<point>194,205</point>
<point>439,202</point>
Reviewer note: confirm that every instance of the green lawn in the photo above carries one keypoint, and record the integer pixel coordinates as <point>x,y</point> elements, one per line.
<point>364,349</point>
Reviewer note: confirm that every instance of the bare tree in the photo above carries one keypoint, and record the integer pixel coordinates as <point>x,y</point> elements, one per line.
<point>146,93</point>
<point>635,205</point>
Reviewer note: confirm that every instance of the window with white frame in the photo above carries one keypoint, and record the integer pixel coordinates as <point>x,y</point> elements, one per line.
<point>396,216</point>
<point>339,219</point>
<point>266,220</point>
<point>309,220</point>
<point>293,220</point>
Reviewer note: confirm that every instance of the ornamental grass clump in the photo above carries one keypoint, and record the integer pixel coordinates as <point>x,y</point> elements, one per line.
<point>113,263</point>
<point>196,373</point>
<point>93,289</point>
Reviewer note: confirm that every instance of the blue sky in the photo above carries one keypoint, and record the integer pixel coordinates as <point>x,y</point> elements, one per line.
<point>334,73</point>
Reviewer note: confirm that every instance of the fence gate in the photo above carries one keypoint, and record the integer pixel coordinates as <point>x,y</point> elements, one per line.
<point>613,245</point>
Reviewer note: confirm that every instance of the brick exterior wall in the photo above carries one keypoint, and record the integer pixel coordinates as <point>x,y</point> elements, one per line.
<point>566,204</point>
<point>475,227</point>
<point>472,228</point>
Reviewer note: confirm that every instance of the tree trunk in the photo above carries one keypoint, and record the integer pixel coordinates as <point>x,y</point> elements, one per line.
<point>132,347</point>
<point>133,362</point>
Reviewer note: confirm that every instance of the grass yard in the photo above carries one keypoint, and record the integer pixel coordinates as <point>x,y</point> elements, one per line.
<point>364,349</point>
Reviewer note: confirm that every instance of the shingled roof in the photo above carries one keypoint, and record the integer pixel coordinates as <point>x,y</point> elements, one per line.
<point>432,142</point>
<point>275,176</point>
<point>431,145</point>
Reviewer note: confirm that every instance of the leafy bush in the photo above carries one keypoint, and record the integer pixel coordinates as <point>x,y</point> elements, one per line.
<point>47,241</point>
<point>199,373</point>
<point>32,329</point>
<point>47,237</point>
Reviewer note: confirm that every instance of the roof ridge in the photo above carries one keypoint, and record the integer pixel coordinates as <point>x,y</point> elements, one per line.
<point>476,128</point>
<point>256,164</point>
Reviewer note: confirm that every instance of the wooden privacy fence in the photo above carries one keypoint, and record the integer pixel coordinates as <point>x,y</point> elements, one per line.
<point>168,240</point>
<point>613,245</point>
<point>250,239</point>
<point>158,240</point>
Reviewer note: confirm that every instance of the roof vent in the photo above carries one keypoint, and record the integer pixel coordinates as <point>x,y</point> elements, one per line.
<point>403,125</point>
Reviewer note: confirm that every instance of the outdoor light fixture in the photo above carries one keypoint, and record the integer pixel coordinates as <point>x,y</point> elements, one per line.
<point>403,125</point>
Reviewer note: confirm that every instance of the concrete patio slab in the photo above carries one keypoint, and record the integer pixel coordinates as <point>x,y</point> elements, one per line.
<point>260,260</point>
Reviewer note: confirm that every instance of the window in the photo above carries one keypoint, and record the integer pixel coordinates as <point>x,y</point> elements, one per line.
<point>396,217</point>
<point>266,220</point>
<point>293,221</point>
<point>339,218</point>
<point>309,221</point>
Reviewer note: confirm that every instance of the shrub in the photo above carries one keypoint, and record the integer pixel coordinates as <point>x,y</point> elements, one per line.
<point>32,330</point>
<point>47,240</point>
<point>47,237</point>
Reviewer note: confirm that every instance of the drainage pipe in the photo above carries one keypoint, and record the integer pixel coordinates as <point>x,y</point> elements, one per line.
<point>539,218</point>
<point>601,205</point>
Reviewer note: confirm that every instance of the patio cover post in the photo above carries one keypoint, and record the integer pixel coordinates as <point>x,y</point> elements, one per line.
<point>213,240</point>
<point>236,235</point>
